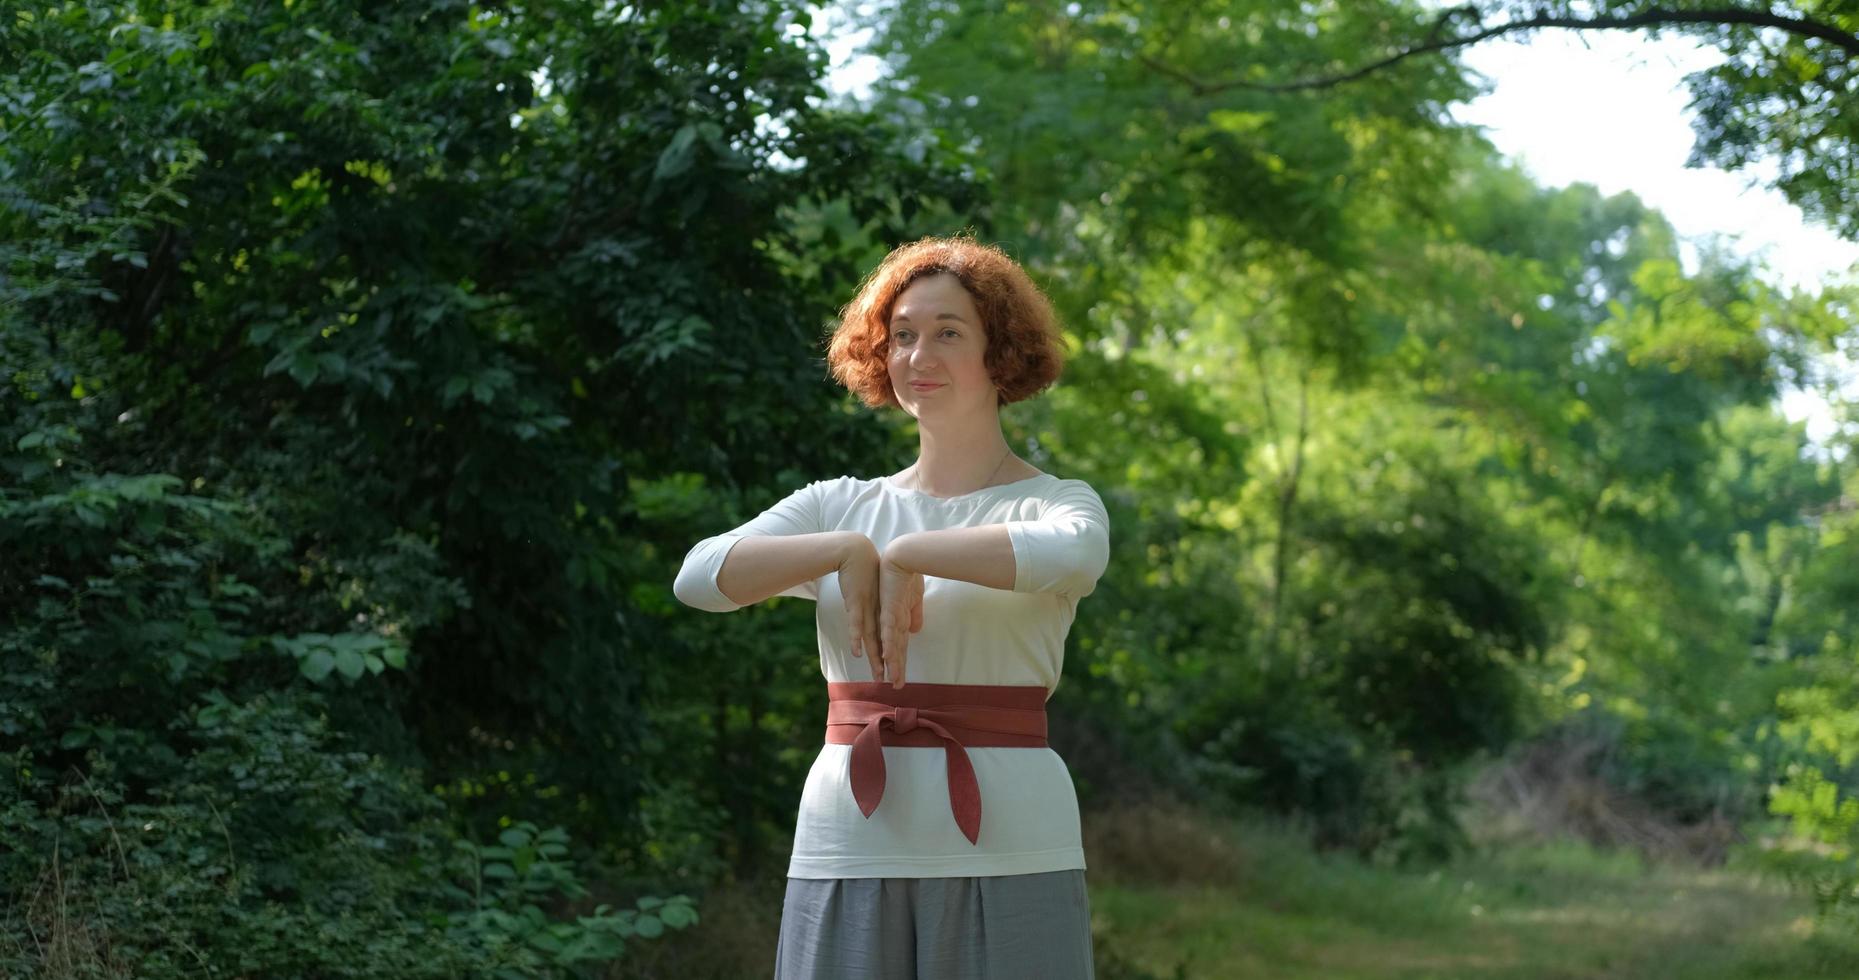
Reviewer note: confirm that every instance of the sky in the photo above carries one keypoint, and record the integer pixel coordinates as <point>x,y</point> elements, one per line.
<point>1607,108</point>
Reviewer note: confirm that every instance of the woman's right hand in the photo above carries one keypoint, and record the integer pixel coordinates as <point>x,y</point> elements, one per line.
<point>858,587</point>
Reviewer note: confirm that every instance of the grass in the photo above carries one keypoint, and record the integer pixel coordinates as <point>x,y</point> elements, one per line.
<point>1178,894</point>
<point>1543,911</point>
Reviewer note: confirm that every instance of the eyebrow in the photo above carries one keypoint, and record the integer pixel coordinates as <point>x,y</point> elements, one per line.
<point>900,318</point>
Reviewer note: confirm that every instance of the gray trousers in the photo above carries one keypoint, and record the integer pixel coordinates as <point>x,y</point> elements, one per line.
<point>997,927</point>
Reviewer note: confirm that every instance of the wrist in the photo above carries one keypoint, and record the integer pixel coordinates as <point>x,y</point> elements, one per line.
<point>897,553</point>
<point>851,545</point>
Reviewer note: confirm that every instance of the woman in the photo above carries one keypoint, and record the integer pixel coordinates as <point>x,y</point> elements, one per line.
<point>937,836</point>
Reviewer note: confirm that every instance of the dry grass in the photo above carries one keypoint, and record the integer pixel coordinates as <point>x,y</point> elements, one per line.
<point>1159,841</point>
<point>1545,792</point>
<point>66,945</point>
<point>741,921</point>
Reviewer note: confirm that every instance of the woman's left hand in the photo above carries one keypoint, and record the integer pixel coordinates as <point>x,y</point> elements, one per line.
<point>900,613</point>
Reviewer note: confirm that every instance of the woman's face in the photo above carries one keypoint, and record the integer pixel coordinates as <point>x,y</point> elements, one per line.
<point>936,337</point>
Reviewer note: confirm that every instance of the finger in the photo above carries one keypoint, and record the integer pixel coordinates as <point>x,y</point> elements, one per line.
<point>903,654</point>
<point>874,657</point>
<point>894,650</point>
<point>890,647</point>
<point>854,626</point>
<point>862,641</point>
<point>875,644</point>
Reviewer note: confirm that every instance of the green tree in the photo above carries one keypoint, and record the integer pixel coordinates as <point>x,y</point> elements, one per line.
<point>1405,442</point>
<point>365,366</point>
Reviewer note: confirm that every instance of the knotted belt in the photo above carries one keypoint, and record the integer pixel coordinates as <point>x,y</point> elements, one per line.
<point>868,715</point>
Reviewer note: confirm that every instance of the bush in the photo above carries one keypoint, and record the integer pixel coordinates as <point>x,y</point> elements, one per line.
<point>272,850</point>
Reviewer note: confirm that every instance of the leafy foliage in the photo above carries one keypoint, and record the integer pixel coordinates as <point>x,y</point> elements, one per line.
<point>1418,458</point>
<point>368,370</point>
<point>349,356</point>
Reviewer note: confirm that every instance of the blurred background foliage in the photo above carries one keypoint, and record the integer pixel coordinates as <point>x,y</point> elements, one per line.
<point>370,368</point>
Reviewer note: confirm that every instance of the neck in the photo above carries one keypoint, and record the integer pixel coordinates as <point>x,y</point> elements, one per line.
<point>954,460</point>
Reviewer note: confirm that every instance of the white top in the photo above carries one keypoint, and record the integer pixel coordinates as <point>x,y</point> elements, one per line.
<point>972,634</point>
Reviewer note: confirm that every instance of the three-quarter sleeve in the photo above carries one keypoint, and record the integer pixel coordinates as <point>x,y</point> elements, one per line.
<point>1067,548</point>
<point>799,512</point>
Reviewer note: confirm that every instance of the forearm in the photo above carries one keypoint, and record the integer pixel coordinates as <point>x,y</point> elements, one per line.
<point>982,555</point>
<point>759,566</point>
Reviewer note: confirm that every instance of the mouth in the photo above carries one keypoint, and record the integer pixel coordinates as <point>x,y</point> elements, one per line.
<point>924,386</point>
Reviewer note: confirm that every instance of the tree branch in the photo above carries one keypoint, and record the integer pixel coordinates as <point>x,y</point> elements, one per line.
<point>1655,18</point>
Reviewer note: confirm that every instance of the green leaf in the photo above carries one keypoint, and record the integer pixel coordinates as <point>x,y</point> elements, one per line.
<point>678,915</point>
<point>317,665</point>
<point>349,663</point>
<point>677,155</point>
<point>304,367</point>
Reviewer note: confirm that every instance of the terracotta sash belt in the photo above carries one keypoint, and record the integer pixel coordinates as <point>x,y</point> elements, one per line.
<point>870,714</point>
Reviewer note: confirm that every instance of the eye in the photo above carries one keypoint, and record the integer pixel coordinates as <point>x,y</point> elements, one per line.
<point>949,331</point>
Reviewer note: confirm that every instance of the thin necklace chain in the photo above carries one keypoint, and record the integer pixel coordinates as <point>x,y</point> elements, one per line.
<point>985,483</point>
<point>997,466</point>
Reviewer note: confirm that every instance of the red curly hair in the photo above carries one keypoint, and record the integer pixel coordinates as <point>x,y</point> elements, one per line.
<point>1024,351</point>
